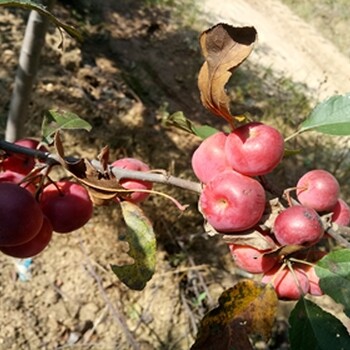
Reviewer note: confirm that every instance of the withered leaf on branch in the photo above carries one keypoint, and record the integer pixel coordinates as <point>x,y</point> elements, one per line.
<point>103,157</point>
<point>224,48</point>
<point>252,238</point>
<point>102,186</point>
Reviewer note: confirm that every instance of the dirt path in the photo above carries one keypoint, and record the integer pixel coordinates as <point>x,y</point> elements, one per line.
<point>287,44</point>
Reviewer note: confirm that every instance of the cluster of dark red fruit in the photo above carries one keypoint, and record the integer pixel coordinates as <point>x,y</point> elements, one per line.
<point>234,202</point>
<point>30,211</point>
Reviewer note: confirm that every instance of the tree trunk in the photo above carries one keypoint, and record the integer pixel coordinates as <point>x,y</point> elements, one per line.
<point>34,40</point>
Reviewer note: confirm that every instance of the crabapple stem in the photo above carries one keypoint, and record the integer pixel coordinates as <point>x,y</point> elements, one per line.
<point>278,272</point>
<point>119,173</point>
<point>292,136</point>
<point>337,232</point>
<point>291,201</point>
<point>302,262</point>
<point>290,267</point>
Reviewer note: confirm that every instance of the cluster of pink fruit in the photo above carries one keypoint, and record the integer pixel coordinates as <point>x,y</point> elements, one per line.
<point>29,214</point>
<point>233,201</point>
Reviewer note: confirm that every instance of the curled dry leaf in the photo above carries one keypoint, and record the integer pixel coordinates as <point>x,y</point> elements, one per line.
<point>285,251</point>
<point>103,158</point>
<point>224,48</point>
<point>272,209</point>
<point>102,186</point>
<point>252,238</point>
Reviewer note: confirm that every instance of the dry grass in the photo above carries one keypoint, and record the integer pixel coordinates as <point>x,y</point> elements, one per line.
<point>331,18</point>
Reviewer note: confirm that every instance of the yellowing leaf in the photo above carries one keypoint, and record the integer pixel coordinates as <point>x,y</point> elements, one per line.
<point>142,248</point>
<point>224,48</point>
<point>247,308</point>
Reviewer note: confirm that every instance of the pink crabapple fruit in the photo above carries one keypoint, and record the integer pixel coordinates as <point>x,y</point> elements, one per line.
<point>251,259</point>
<point>254,149</point>
<point>341,213</point>
<point>287,284</point>
<point>311,256</point>
<point>21,163</point>
<point>209,158</point>
<point>67,205</point>
<point>20,215</point>
<point>232,202</point>
<point>314,280</point>
<point>319,190</point>
<point>130,184</point>
<point>298,225</point>
<point>34,246</point>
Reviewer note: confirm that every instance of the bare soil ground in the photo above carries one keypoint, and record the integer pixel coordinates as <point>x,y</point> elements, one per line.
<point>135,65</point>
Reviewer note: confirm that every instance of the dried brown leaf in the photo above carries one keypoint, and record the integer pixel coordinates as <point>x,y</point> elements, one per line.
<point>101,186</point>
<point>59,147</point>
<point>103,158</point>
<point>253,239</point>
<point>285,251</point>
<point>224,48</point>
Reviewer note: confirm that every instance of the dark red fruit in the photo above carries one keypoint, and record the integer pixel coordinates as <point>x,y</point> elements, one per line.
<point>33,247</point>
<point>16,178</point>
<point>20,215</point>
<point>21,163</point>
<point>67,205</point>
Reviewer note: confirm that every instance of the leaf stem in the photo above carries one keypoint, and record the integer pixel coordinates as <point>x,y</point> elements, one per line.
<point>291,136</point>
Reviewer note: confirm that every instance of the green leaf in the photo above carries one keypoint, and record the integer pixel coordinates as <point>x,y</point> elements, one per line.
<point>142,248</point>
<point>179,120</point>
<point>204,131</point>
<point>55,121</point>
<point>331,116</point>
<point>31,5</point>
<point>312,328</point>
<point>334,273</point>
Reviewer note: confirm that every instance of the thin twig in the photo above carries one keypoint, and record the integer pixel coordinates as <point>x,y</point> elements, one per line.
<point>338,233</point>
<point>90,332</point>
<point>188,310</point>
<point>118,317</point>
<point>51,159</point>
